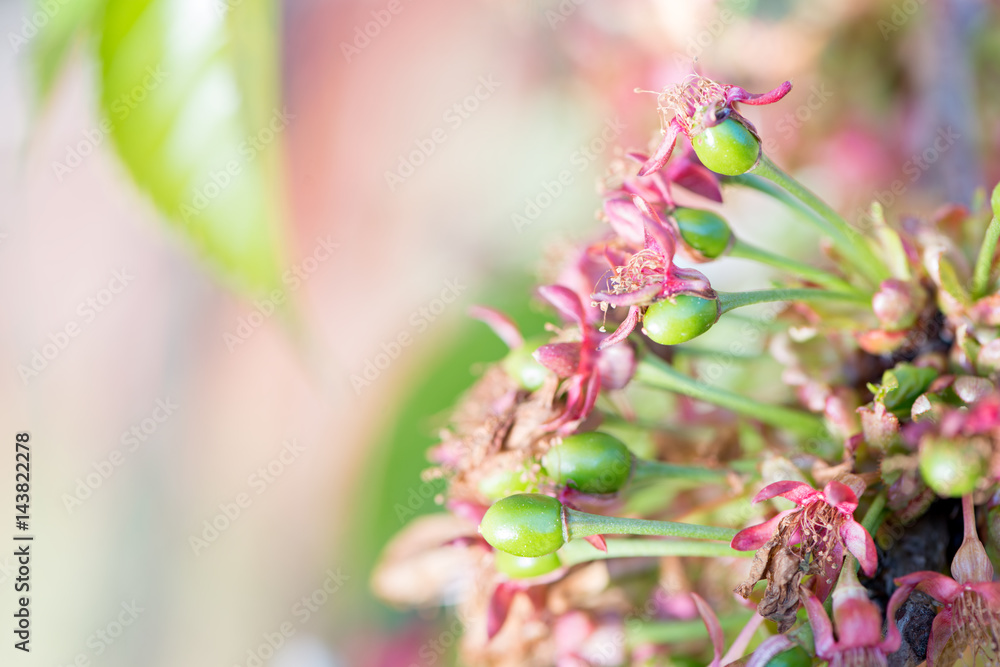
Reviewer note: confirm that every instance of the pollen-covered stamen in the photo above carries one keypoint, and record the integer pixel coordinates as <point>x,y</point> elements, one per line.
<point>695,102</point>
<point>819,523</point>
<point>977,625</point>
<point>637,272</point>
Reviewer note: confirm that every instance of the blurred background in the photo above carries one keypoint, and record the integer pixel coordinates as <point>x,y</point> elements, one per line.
<point>240,236</point>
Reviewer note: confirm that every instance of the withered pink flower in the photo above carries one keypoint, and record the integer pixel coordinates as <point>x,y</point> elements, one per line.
<point>698,103</point>
<point>970,617</point>
<point>686,171</point>
<point>649,275</point>
<point>584,366</point>
<point>858,622</point>
<point>822,526</point>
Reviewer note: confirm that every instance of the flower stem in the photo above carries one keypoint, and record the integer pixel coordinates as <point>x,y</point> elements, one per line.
<point>730,300</point>
<point>744,250</point>
<point>849,242</point>
<point>577,552</point>
<point>655,372</point>
<point>984,263</point>
<point>969,517</point>
<point>873,515</point>
<point>666,632</point>
<point>583,524</point>
<point>643,470</point>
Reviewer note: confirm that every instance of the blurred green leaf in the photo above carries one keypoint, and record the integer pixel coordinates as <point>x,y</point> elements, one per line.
<point>190,91</point>
<point>59,25</point>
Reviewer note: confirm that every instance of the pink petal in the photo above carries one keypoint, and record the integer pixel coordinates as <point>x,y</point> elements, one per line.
<point>754,537</point>
<point>737,94</point>
<point>821,626</point>
<point>841,496</point>
<point>663,151</point>
<point>860,543</point>
<point>698,179</point>
<point>714,629</point>
<point>990,591</point>
<point>623,330</point>
<point>941,588</point>
<point>941,631</point>
<point>561,358</point>
<point>499,607</point>
<point>502,325</point>
<point>770,648</point>
<point>797,492</point>
<point>565,301</point>
<point>598,542</point>
<point>625,219</point>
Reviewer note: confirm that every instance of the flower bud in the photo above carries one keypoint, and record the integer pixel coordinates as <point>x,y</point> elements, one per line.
<point>679,319</point>
<point>971,564</point>
<point>706,233</point>
<point>728,148</point>
<point>589,462</point>
<point>894,305</point>
<point>520,567</point>
<point>526,524</point>
<point>951,468</point>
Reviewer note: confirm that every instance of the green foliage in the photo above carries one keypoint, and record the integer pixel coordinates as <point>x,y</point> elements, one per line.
<point>191,93</point>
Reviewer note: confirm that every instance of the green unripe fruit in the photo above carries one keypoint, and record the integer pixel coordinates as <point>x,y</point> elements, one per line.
<point>728,148</point>
<point>589,462</point>
<point>526,524</point>
<point>520,567</point>
<point>950,468</point>
<point>706,232</point>
<point>685,317</point>
<point>502,483</point>
<point>523,368</point>
<point>796,657</point>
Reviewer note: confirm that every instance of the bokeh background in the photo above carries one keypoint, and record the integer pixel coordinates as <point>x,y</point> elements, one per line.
<point>215,473</point>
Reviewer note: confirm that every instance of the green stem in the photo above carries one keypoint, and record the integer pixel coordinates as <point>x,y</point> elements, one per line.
<point>873,516</point>
<point>666,632</point>
<point>583,524</point>
<point>655,372</point>
<point>849,242</point>
<point>643,470</point>
<point>744,250</point>
<point>984,263</point>
<point>579,551</point>
<point>730,300</point>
